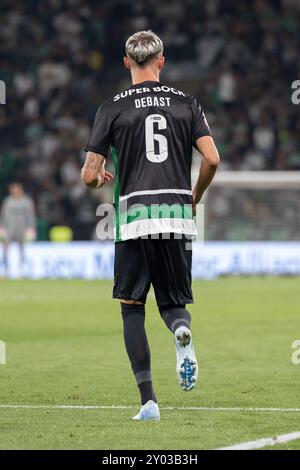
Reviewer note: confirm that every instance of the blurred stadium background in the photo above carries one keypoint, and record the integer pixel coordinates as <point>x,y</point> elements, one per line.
<point>61,59</point>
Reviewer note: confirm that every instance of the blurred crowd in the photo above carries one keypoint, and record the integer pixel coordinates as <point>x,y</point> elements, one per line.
<point>61,58</point>
<point>240,214</point>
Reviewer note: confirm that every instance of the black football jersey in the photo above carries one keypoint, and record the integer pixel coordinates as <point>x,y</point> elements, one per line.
<point>149,130</point>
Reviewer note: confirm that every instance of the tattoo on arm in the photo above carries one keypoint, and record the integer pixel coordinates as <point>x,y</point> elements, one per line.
<point>93,162</point>
<point>91,169</point>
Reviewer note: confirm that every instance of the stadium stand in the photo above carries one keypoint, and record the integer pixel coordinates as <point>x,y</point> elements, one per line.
<point>60,59</point>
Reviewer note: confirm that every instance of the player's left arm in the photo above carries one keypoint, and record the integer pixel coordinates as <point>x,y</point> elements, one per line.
<point>30,214</point>
<point>30,230</point>
<point>93,172</point>
<point>208,168</point>
<point>203,141</point>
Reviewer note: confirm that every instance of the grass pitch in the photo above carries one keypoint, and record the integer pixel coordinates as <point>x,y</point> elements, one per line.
<point>65,347</point>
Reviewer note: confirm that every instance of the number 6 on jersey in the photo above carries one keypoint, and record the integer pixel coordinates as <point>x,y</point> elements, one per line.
<point>151,137</point>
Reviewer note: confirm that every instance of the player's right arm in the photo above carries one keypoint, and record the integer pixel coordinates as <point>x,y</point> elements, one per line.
<point>4,219</point>
<point>93,172</point>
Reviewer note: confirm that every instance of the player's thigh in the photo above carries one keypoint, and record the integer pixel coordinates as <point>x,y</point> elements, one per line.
<point>172,278</point>
<point>133,269</point>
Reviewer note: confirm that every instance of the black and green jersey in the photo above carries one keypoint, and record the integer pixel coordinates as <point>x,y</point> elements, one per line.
<point>149,130</point>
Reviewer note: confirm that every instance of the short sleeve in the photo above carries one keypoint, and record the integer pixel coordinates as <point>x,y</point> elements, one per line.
<point>200,126</point>
<point>100,136</point>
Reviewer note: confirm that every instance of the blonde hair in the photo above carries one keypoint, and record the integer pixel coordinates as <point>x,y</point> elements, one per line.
<point>143,46</point>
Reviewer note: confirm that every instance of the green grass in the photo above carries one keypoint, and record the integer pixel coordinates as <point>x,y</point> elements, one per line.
<point>64,346</point>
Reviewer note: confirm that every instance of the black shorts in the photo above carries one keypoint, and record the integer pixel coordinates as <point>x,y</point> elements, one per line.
<point>164,263</point>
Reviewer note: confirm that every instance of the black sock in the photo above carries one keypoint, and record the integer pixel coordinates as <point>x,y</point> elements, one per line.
<point>137,348</point>
<point>175,316</point>
<point>147,392</point>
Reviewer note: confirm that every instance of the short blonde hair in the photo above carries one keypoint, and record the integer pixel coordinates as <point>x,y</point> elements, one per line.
<point>143,46</point>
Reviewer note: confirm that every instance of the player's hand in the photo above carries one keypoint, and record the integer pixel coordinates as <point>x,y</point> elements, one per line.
<point>196,200</point>
<point>30,234</point>
<point>104,176</point>
<point>194,205</point>
<point>194,208</point>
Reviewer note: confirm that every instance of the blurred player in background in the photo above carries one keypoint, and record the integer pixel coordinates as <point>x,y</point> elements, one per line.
<point>150,129</point>
<point>18,221</point>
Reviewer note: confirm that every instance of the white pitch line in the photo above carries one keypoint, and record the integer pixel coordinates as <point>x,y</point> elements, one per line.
<point>265,442</point>
<point>167,408</point>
